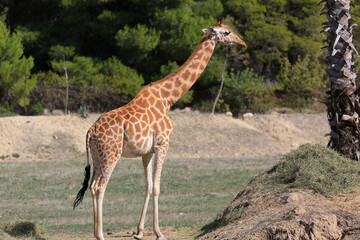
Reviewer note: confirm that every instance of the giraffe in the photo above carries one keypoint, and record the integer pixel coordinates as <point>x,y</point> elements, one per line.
<point>142,128</point>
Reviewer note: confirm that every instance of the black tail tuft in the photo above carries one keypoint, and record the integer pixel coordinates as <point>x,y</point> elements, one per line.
<point>85,185</point>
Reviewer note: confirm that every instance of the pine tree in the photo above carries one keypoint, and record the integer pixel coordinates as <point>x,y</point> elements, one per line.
<point>343,102</point>
<point>15,80</point>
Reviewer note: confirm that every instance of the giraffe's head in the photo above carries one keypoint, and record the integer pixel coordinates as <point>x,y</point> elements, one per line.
<point>224,35</point>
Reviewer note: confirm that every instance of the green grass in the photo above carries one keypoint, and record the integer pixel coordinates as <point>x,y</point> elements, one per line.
<point>193,192</point>
<point>8,114</point>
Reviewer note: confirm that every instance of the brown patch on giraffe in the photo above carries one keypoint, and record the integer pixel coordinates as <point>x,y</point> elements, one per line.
<point>171,101</point>
<point>185,75</point>
<point>168,85</point>
<point>137,136</point>
<point>140,143</point>
<point>143,124</point>
<point>159,105</point>
<point>151,117</point>
<point>155,112</point>
<point>184,88</point>
<point>202,67</point>
<point>193,77</point>
<point>105,125</point>
<point>141,110</point>
<point>145,93</point>
<point>162,125</point>
<point>109,132</point>
<point>208,49</point>
<point>207,59</point>
<point>138,116</point>
<point>177,82</point>
<point>146,142</point>
<point>145,132</point>
<point>194,65</point>
<point>154,92</point>
<point>143,103</point>
<point>175,93</point>
<point>198,56</point>
<point>112,122</point>
<point>165,93</point>
<point>137,127</point>
<point>168,123</point>
<point>156,127</point>
<point>151,100</point>
<point>145,118</point>
<point>116,129</point>
<point>130,130</point>
<point>206,44</point>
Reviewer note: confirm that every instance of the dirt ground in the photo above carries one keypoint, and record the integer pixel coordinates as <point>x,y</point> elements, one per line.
<point>196,135</point>
<point>293,215</point>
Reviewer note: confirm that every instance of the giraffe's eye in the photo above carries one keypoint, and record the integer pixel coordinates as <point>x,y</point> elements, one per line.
<point>227,33</point>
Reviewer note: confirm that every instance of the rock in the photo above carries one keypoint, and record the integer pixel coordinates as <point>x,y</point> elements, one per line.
<point>57,112</point>
<point>46,112</point>
<point>245,115</point>
<point>229,114</point>
<point>187,110</point>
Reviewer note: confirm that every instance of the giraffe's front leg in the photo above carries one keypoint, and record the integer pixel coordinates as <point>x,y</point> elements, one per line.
<point>160,153</point>
<point>147,163</point>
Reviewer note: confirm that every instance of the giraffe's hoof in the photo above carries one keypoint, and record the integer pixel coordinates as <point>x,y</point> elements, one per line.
<point>139,236</point>
<point>161,238</point>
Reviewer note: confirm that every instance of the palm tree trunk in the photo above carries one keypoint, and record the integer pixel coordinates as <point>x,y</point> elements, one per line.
<point>343,102</point>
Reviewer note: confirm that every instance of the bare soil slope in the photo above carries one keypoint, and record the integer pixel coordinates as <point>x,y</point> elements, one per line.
<point>293,215</point>
<point>33,138</point>
<point>285,202</point>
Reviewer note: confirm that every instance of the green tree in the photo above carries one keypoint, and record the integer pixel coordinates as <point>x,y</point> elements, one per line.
<point>15,71</point>
<point>136,43</point>
<point>246,91</point>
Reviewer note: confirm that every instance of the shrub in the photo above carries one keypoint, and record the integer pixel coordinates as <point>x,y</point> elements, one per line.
<point>16,81</point>
<point>246,91</point>
<point>23,229</point>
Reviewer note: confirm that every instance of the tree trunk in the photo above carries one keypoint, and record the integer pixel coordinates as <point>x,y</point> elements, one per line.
<point>221,86</point>
<point>343,102</point>
<point>67,87</point>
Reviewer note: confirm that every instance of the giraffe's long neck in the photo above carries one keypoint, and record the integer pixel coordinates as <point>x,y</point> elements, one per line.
<point>175,85</point>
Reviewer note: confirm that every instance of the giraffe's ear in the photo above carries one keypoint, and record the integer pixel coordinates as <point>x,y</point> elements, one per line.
<point>220,20</point>
<point>205,30</point>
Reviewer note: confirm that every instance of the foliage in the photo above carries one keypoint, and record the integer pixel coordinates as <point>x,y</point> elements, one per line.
<point>141,41</point>
<point>246,91</point>
<point>16,82</point>
<point>136,43</point>
<point>301,77</point>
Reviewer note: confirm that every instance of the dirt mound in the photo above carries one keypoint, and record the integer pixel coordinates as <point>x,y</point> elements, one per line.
<point>196,134</point>
<point>269,208</point>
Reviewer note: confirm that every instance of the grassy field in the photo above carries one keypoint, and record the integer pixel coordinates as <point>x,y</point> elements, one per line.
<point>193,192</point>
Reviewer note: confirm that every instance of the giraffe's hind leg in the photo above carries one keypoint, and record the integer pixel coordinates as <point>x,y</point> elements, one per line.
<point>147,163</point>
<point>98,187</point>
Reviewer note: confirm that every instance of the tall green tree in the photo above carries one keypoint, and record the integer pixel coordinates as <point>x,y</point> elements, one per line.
<point>15,70</point>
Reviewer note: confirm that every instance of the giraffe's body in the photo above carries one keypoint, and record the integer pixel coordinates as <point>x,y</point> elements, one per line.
<point>143,128</point>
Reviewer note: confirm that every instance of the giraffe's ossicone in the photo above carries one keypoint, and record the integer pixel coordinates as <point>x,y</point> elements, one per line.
<point>142,128</point>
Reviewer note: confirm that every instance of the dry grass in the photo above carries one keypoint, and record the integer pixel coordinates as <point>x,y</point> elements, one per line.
<point>317,168</point>
<point>25,230</point>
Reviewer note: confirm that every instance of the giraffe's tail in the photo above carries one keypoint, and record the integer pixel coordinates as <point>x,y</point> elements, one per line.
<point>85,184</point>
